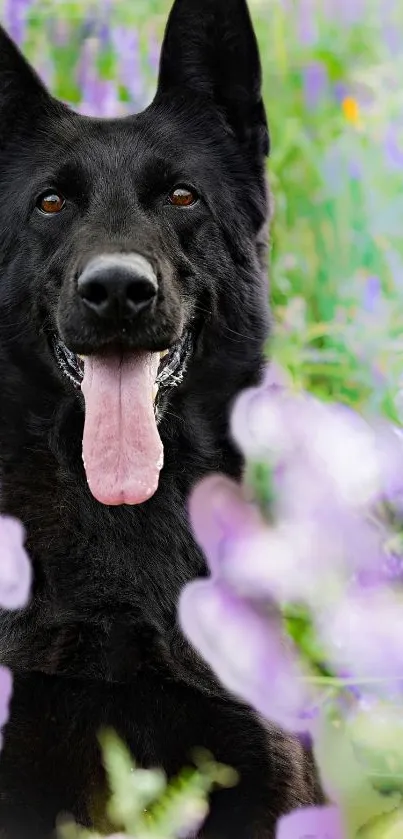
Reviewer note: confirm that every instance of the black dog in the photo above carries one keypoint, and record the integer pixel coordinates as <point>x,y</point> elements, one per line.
<point>119,240</point>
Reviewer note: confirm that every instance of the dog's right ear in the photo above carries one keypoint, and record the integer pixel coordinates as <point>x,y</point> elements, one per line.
<point>21,90</point>
<point>210,50</point>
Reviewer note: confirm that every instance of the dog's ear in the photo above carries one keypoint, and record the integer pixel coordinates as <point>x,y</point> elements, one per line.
<point>21,90</point>
<point>210,48</point>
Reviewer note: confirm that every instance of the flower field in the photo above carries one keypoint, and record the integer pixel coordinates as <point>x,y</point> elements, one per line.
<point>317,526</point>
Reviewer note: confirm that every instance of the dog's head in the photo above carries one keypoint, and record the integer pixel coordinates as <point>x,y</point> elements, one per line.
<point>131,248</point>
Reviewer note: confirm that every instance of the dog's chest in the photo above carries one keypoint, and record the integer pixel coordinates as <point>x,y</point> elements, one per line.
<point>106,587</point>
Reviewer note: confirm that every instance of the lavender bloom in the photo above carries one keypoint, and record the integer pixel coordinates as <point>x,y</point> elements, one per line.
<point>15,567</point>
<point>372,295</point>
<point>315,822</point>
<point>315,80</point>
<point>154,53</point>
<point>302,557</point>
<point>321,548</point>
<point>127,50</point>
<point>345,14</point>
<point>15,15</point>
<point>85,70</point>
<point>341,91</point>
<point>362,634</point>
<point>104,35</point>
<point>101,99</point>
<point>393,148</point>
<point>5,696</point>
<point>307,22</point>
<point>350,457</point>
<point>245,647</point>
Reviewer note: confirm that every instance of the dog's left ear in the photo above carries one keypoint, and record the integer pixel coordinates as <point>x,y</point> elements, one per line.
<point>22,94</point>
<point>210,49</point>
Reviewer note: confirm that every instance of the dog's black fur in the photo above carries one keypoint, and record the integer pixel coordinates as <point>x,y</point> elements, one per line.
<point>99,643</point>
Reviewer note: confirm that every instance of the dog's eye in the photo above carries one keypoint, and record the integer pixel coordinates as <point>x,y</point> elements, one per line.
<point>50,203</point>
<point>183,196</point>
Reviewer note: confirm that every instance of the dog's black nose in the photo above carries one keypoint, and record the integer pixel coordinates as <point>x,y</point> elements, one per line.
<point>118,286</point>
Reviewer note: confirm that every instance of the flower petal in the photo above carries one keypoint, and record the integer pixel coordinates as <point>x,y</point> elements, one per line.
<point>247,650</point>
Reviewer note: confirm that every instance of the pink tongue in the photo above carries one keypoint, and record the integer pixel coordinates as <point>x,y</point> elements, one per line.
<point>122,450</point>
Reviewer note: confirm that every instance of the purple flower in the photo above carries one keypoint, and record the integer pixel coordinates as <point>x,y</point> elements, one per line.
<point>5,697</point>
<point>86,65</point>
<point>127,49</point>
<point>372,294</point>
<point>154,52</point>
<point>341,91</point>
<point>330,443</point>
<point>15,19</point>
<point>393,148</point>
<point>301,557</point>
<point>323,548</point>
<point>15,567</point>
<point>246,648</point>
<point>315,80</point>
<point>345,14</point>
<point>101,99</point>
<point>312,823</point>
<point>307,22</point>
<point>218,511</point>
<point>362,634</point>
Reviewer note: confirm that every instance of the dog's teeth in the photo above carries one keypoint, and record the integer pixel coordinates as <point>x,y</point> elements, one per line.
<point>163,354</point>
<point>155,392</point>
<point>81,357</point>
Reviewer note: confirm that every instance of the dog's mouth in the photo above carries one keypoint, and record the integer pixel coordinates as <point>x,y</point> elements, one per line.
<point>171,370</point>
<point>123,391</point>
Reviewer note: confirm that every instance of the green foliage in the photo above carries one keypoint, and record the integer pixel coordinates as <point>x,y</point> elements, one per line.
<point>143,804</point>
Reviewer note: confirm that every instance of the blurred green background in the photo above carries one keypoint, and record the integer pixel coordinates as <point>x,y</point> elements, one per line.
<point>332,79</point>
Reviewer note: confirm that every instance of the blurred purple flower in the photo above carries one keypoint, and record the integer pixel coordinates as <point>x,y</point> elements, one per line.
<point>307,22</point>
<point>87,63</point>
<point>5,697</point>
<point>393,148</point>
<point>219,513</point>
<point>343,13</point>
<point>335,445</point>
<point>389,25</point>
<point>341,91</point>
<point>299,558</point>
<point>312,823</point>
<point>372,294</point>
<point>101,99</point>
<point>154,52</point>
<point>15,567</point>
<point>15,17</point>
<point>127,50</point>
<point>104,35</point>
<point>315,80</point>
<point>246,648</point>
<point>362,634</point>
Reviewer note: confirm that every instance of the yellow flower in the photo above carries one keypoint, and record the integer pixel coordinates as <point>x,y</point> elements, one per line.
<point>351,110</point>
